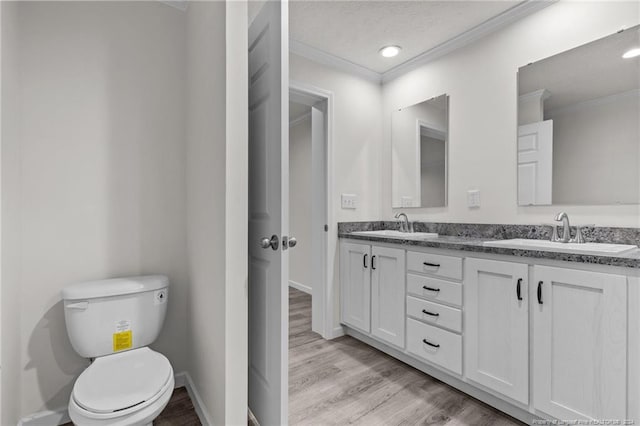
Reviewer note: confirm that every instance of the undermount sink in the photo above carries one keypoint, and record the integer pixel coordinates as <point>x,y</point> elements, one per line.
<point>544,245</point>
<point>397,234</point>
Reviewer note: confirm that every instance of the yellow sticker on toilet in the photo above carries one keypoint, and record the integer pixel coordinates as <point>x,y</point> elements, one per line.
<point>122,340</point>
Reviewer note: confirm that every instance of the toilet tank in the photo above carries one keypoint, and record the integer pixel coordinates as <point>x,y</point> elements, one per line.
<point>115,315</point>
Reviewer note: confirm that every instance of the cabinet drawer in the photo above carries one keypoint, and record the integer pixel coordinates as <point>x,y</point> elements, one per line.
<point>435,264</point>
<point>435,289</point>
<point>435,313</point>
<point>447,349</point>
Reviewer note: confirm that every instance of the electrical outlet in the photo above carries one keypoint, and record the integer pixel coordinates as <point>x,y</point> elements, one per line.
<point>473,198</point>
<point>349,201</point>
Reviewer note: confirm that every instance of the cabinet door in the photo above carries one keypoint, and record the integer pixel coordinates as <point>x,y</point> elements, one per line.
<point>355,283</point>
<point>496,326</point>
<point>580,344</point>
<point>388,294</point>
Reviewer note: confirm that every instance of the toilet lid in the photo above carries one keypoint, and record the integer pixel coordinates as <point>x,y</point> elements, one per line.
<point>120,381</point>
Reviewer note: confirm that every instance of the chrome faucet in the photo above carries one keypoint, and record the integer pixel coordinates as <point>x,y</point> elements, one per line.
<point>405,225</point>
<point>566,228</point>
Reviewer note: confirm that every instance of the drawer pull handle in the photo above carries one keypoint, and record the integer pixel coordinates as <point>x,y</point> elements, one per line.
<point>364,260</point>
<point>373,265</point>
<point>540,292</point>
<point>426,342</point>
<point>430,288</point>
<point>518,294</point>
<point>435,265</point>
<point>424,311</point>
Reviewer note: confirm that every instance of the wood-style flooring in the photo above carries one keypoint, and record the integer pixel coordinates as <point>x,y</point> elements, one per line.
<point>345,381</point>
<point>178,412</point>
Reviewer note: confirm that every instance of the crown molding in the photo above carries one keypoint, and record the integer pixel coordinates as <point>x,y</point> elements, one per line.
<point>324,58</point>
<point>489,26</point>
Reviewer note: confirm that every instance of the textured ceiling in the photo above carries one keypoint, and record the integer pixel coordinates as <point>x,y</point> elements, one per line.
<point>356,30</point>
<point>587,72</point>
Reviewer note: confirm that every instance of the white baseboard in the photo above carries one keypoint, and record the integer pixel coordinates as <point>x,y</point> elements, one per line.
<point>301,287</point>
<point>46,418</point>
<point>198,405</point>
<point>336,332</point>
<point>61,415</point>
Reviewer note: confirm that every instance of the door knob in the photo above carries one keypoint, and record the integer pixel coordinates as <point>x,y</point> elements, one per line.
<point>292,242</point>
<point>272,242</point>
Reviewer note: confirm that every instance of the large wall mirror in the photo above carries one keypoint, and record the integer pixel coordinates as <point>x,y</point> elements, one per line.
<point>419,145</point>
<point>578,125</point>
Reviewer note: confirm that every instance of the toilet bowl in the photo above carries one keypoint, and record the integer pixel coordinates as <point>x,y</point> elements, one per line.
<point>113,322</point>
<point>130,388</point>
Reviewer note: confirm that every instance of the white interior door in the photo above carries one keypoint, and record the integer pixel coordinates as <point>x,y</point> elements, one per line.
<point>268,214</point>
<point>535,163</point>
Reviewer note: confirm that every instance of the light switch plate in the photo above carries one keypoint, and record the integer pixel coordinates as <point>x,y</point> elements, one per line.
<point>349,201</point>
<point>473,198</point>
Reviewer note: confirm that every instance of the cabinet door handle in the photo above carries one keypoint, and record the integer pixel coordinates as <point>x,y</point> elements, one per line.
<point>435,265</point>
<point>430,288</point>
<point>433,314</point>
<point>373,265</point>
<point>540,292</point>
<point>426,342</point>
<point>518,289</point>
<point>364,260</point>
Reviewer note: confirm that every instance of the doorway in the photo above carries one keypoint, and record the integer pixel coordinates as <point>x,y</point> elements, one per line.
<point>310,207</point>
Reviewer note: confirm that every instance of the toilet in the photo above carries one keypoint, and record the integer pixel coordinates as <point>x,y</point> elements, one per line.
<point>112,322</point>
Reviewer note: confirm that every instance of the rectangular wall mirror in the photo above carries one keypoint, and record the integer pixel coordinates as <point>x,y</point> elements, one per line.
<point>578,125</point>
<point>419,150</point>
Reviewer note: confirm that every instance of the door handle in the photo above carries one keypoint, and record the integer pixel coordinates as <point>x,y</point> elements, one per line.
<point>433,314</point>
<point>292,242</point>
<point>540,292</point>
<point>364,260</point>
<point>373,265</point>
<point>518,289</point>
<point>272,242</point>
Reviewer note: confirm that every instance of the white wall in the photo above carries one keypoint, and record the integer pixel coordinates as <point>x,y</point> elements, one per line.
<point>217,206</point>
<point>596,152</point>
<point>357,141</point>
<point>93,179</point>
<point>300,205</point>
<point>481,82</point>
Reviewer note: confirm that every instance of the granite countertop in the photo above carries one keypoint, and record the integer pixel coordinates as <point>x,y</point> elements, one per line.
<point>475,243</point>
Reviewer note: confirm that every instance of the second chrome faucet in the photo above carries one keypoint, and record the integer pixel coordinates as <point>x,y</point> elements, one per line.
<point>405,225</point>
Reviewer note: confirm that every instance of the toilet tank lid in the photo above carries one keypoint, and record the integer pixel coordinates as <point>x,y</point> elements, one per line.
<point>114,287</point>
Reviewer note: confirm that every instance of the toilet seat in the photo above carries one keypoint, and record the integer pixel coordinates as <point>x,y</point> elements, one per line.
<point>122,389</point>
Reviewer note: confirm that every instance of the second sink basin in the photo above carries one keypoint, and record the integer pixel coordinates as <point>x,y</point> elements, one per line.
<point>544,245</point>
<point>397,234</point>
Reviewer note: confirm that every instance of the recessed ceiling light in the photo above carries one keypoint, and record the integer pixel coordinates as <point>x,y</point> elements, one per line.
<point>631,53</point>
<point>390,51</point>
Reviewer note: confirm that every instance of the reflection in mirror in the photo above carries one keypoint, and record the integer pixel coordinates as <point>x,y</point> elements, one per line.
<point>419,145</point>
<point>578,125</point>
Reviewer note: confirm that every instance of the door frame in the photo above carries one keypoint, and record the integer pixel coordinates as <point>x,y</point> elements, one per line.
<point>323,291</point>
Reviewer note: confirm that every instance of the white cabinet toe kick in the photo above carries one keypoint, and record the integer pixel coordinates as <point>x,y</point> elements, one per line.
<point>551,341</point>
